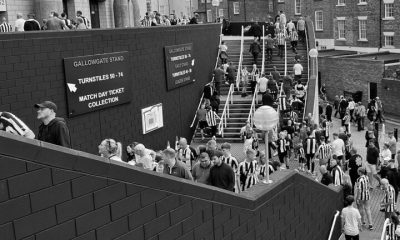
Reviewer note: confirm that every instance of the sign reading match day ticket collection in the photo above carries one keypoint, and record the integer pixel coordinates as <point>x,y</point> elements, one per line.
<point>96,82</point>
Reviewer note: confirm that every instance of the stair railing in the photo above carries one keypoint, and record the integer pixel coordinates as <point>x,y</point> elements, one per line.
<point>385,225</point>
<point>263,50</point>
<point>240,61</point>
<point>250,118</point>
<point>285,58</point>
<point>333,225</point>
<point>212,80</point>
<point>225,113</point>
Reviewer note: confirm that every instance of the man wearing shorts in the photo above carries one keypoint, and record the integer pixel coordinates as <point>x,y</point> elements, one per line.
<point>372,161</point>
<point>362,196</point>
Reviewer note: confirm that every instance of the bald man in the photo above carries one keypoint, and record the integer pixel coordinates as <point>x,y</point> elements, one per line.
<point>19,23</point>
<point>186,153</point>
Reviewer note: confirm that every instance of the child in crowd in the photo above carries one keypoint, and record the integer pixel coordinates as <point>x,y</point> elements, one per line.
<point>247,170</point>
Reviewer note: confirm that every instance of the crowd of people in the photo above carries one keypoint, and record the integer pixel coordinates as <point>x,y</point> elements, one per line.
<point>55,21</point>
<point>156,19</point>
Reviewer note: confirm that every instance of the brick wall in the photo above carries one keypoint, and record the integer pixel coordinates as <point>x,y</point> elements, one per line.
<point>49,192</point>
<point>32,71</point>
<point>349,74</point>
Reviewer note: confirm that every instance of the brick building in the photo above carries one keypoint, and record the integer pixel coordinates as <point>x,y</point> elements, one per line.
<point>357,24</point>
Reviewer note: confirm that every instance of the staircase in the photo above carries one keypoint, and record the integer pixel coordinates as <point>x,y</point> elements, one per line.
<point>239,110</point>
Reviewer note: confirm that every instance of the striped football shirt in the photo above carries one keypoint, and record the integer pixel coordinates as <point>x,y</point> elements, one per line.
<point>363,188</point>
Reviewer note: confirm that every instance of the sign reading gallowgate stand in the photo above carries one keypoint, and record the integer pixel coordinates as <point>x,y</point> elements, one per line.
<point>179,64</point>
<point>95,82</point>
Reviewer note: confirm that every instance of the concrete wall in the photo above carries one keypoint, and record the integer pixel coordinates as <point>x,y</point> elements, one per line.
<point>32,71</point>
<point>49,192</point>
<point>390,95</point>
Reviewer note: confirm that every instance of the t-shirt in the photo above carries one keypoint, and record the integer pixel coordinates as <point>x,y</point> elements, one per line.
<point>263,83</point>
<point>19,25</point>
<point>351,216</point>
<point>337,147</point>
<point>297,69</point>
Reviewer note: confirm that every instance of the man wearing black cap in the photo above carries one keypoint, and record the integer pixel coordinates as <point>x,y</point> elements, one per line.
<point>53,129</point>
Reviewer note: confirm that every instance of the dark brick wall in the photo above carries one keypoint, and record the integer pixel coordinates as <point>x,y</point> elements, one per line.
<point>349,74</point>
<point>46,199</point>
<point>32,71</point>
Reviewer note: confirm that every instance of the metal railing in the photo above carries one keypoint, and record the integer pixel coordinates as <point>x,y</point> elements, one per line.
<point>225,113</point>
<point>333,225</point>
<point>212,80</point>
<point>250,118</point>
<point>240,61</point>
<point>308,70</point>
<point>285,59</point>
<point>263,50</point>
<point>385,225</point>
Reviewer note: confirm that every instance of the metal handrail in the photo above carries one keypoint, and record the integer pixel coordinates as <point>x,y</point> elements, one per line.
<point>333,224</point>
<point>212,80</point>
<point>285,59</point>
<point>250,118</point>
<point>308,70</point>
<point>385,225</point>
<point>225,114</point>
<point>240,60</point>
<point>263,55</point>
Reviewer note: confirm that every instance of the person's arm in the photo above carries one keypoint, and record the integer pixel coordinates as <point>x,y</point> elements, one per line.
<point>188,175</point>
<point>63,135</point>
<point>29,134</point>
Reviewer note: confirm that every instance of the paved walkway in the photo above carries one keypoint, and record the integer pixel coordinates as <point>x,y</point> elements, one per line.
<point>359,143</point>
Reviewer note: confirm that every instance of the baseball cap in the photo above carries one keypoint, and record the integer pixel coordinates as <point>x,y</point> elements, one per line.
<point>47,104</point>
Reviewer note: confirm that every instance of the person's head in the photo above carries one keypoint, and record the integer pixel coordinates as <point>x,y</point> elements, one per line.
<point>250,154</point>
<point>371,143</point>
<point>64,15</point>
<point>335,135</point>
<point>391,134</point>
<point>216,157</point>
<point>55,15</point>
<point>353,151</point>
<point>223,43</point>
<point>211,145</point>
<point>323,169</point>
<point>226,148</point>
<point>333,162</point>
<point>280,11</point>
<point>254,66</point>
<point>168,156</point>
<point>19,15</point>
<point>269,36</point>
<point>298,81</point>
<point>275,68</point>
<point>3,19</point>
<point>78,13</point>
<point>322,139</point>
<point>183,143</point>
<point>385,183</point>
<point>202,148</point>
<point>362,171</point>
<point>391,163</point>
<point>248,124</point>
<point>140,150</point>
<point>395,219</point>
<point>31,15</point>
<point>386,145</point>
<point>204,159</point>
<point>109,147</point>
<point>289,122</point>
<point>46,111</point>
<point>349,200</point>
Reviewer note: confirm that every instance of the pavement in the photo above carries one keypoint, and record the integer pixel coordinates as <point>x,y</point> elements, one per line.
<point>359,143</point>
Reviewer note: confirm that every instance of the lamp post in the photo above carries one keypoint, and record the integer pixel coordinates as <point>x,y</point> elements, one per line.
<point>313,53</point>
<point>265,119</point>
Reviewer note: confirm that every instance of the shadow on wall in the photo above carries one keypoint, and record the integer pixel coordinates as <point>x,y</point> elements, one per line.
<point>48,191</point>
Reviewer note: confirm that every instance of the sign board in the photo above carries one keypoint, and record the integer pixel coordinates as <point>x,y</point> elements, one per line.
<point>3,5</point>
<point>152,118</point>
<point>96,82</point>
<point>179,64</point>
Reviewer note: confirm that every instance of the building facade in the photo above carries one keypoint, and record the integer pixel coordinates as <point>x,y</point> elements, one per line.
<point>180,8</point>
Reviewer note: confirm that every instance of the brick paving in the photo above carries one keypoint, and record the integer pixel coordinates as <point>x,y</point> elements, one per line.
<point>359,143</point>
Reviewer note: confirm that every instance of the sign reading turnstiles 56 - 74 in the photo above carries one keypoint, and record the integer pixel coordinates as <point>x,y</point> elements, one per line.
<point>179,64</point>
<point>95,82</point>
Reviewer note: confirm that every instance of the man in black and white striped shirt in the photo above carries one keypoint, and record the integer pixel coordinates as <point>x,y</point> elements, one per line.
<point>4,26</point>
<point>324,152</point>
<point>362,195</point>
<point>85,20</point>
<point>310,150</point>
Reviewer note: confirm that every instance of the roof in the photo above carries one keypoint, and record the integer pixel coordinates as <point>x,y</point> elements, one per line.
<point>332,53</point>
<point>386,57</point>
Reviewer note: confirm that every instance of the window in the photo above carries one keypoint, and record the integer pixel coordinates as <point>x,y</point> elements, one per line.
<point>220,12</point>
<point>362,2</point>
<point>148,5</point>
<point>271,5</point>
<point>236,8</point>
<point>341,3</point>
<point>319,21</point>
<point>388,10</point>
<point>209,16</point>
<point>297,7</point>
<point>362,29</point>
<point>389,39</point>
<point>208,1</point>
<point>341,32</point>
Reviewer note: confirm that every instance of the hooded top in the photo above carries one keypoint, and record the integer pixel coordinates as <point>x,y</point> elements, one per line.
<point>56,132</point>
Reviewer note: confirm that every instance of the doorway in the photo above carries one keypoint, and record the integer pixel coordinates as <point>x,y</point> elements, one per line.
<point>94,13</point>
<point>373,90</point>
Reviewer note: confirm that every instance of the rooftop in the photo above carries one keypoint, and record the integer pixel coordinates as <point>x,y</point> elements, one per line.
<point>386,57</point>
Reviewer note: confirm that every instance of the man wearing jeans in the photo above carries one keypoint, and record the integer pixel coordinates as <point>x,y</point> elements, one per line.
<point>362,196</point>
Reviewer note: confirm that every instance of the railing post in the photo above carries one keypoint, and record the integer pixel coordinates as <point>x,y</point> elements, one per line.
<point>285,59</point>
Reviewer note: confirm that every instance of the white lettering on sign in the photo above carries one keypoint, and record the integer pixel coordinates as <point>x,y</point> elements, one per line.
<point>103,102</point>
<point>116,91</point>
<point>180,49</point>
<point>95,61</point>
<point>88,97</point>
<point>93,79</point>
<point>117,59</point>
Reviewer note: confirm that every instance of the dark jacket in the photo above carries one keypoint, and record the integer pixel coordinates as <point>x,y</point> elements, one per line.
<point>222,177</point>
<point>255,48</point>
<point>256,30</point>
<point>328,110</point>
<point>372,155</point>
<point>55,132</point>
<point>326,179</point>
